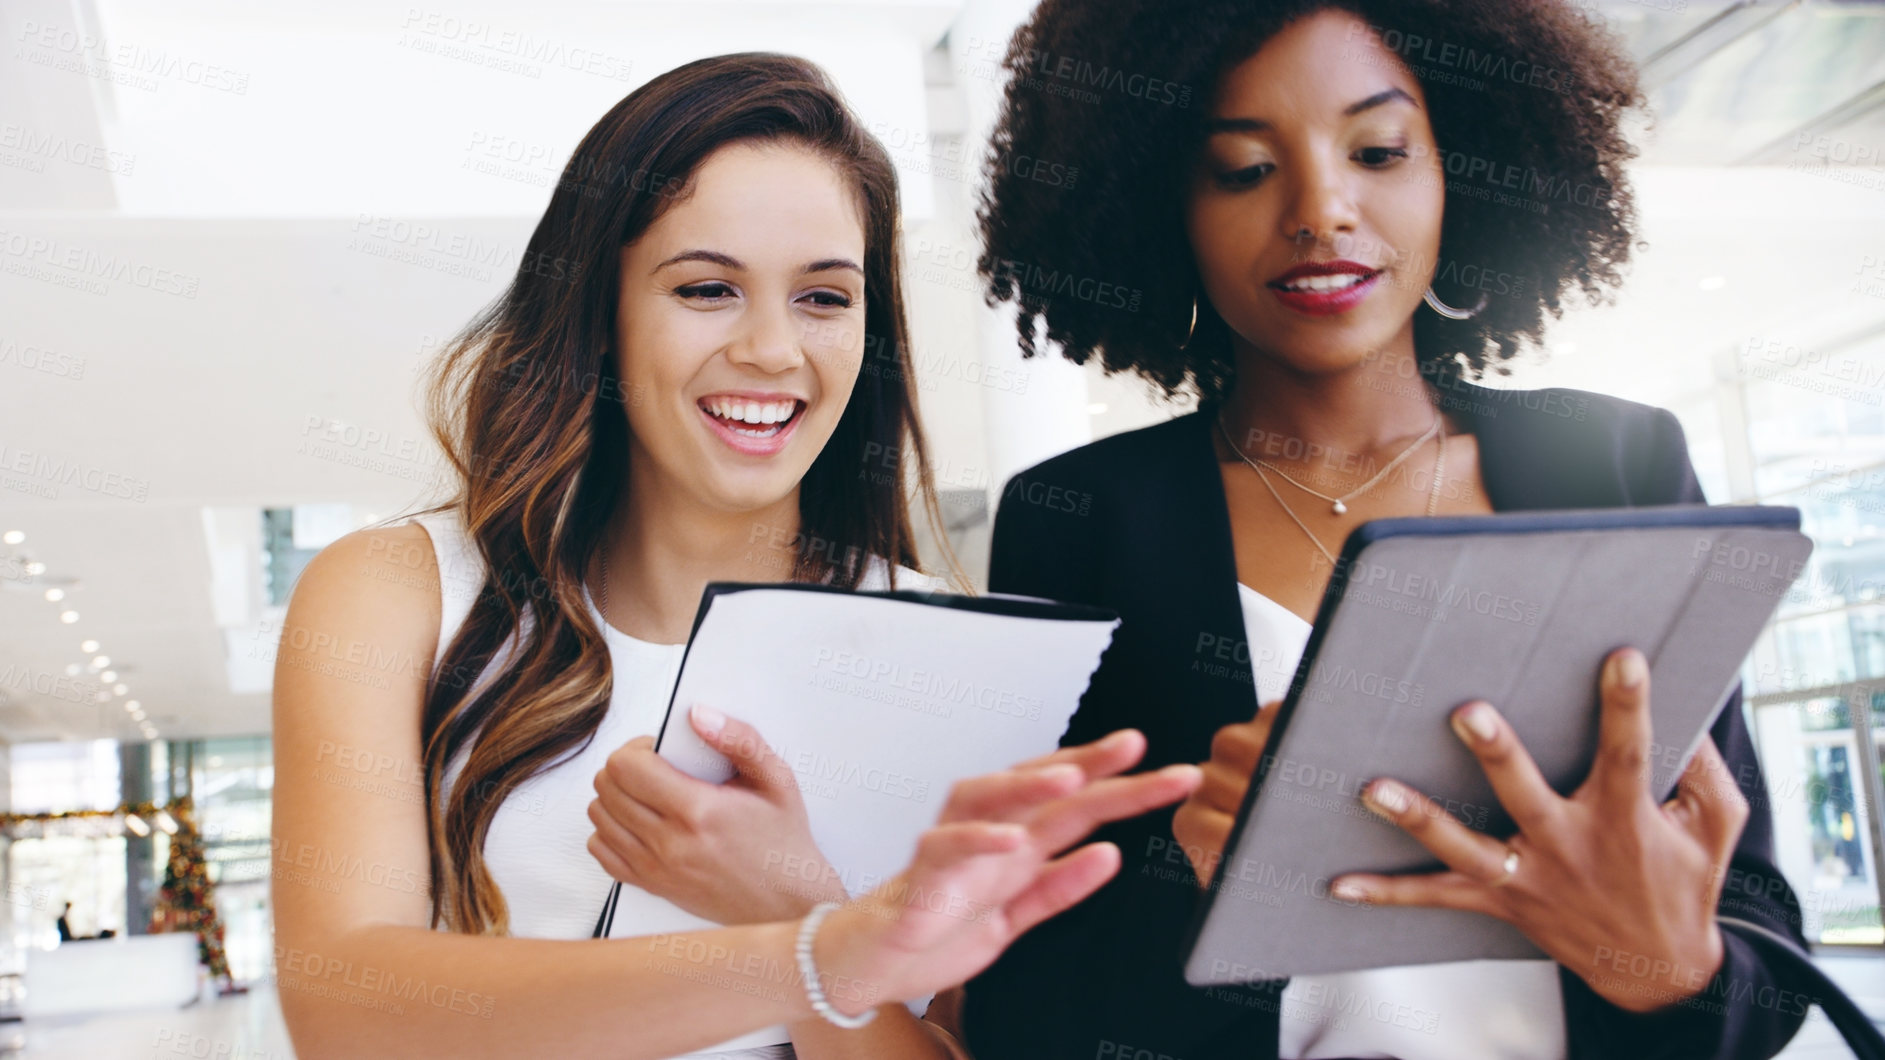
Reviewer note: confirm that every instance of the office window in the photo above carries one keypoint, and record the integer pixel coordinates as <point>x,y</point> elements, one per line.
<point>1814,438</point>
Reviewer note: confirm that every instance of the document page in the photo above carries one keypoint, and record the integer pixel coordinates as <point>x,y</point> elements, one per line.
<point>878,703</point>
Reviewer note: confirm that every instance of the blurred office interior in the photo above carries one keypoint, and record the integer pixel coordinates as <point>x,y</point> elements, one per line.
<point>312,197</point>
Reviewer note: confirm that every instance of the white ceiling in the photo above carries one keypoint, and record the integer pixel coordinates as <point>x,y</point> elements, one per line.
<point>250,184</point>
<point>298,320</point>
<point>263,390</point>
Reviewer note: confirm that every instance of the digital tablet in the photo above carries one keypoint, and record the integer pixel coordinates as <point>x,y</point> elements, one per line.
<point>1424,615</point>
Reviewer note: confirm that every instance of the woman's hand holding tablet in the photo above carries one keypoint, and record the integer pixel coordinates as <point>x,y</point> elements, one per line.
<point>1605,873</point>
<point>1609,883</point>
<point>1203,823</point>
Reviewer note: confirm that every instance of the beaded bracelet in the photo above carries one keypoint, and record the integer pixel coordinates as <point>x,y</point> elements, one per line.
<point>808,970</point>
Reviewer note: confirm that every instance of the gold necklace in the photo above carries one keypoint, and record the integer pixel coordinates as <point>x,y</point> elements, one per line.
<point>1433,492</point>
<point>1338,504</point>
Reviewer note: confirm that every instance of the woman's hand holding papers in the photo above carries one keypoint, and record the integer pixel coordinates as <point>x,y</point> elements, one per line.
<point>1611,884</point>
<point>1202,825</point>
<point>734,853</point>
<point>993,867</point>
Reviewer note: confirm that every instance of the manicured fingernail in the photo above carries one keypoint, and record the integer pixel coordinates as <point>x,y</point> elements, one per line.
<point>1475,724</point>
<point>708,719</point>
<point>1348,891</point>
<point>1117,740</point>
<point>1062,771</point>
<point>1628,669</point>
<point>1634,671</point>
<point>1386,798</point>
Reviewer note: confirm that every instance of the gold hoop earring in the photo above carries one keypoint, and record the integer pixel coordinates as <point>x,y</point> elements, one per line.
<point>1447,311</point>
<point>1191,331</point>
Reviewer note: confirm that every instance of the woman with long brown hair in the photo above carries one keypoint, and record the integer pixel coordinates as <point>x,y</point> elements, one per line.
<point>671,392</point>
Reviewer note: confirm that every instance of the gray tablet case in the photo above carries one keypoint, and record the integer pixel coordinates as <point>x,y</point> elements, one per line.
<point>1423,615</point>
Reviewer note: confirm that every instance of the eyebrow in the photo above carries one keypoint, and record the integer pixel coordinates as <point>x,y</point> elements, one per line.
<point>1376,100</point>
<point>1236,125</point>
<point>728,261</point>
<point>828,264</point>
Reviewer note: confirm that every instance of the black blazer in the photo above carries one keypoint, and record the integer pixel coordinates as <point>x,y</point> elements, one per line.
<point>1138,523</point>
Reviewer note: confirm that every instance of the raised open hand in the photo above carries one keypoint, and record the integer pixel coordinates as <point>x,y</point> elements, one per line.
<point>993,867</point>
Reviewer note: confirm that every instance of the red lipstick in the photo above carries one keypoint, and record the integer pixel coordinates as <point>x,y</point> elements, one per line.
<point>1325,288</point>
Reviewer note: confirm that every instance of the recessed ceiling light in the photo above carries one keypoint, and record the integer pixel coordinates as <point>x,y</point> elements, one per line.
<point>109,677</point>
<point>55,595</point>
<point>88,646</point>
<point>130,704</point>
<point>101,696</point>
<point>13,537</point>
<point>68,617</point>
<point>137,715</point>
<point>72,669</point>
<point>120,688</point>
<point>101,660</point>
<point>35,568</point>
<point>1713,283</point>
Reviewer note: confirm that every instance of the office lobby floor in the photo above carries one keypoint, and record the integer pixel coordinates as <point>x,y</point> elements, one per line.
<point>244,1027</point>
<point>249,1026</point>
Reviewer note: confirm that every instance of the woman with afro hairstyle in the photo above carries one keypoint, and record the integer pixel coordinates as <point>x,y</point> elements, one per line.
<point>1322,219</point>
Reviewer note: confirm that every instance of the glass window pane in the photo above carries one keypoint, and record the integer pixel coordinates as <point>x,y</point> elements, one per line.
<point>1820,822</point>
<point>87,871</point>
<point>1815,415</point>
<point>56,777</point>
<point>233,781</point>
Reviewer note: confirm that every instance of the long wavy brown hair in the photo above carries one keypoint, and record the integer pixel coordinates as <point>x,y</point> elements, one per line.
<point>529,411</point>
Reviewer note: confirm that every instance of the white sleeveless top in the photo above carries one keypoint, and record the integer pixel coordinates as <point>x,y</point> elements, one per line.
<point>537,847</point>
<point>1508,1009</point>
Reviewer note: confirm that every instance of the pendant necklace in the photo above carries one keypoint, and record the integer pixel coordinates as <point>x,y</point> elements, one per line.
<point>1433,491</point>
<point>1339,505</point>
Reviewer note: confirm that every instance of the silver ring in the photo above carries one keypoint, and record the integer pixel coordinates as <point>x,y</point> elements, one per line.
<point>1508,867</point>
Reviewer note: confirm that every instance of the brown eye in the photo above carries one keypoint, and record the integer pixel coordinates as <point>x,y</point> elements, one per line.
<point>830,300</point>
<point>1380,157</point>
<point>1248,177</point>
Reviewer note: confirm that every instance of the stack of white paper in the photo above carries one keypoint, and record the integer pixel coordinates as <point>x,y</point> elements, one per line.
<point>878,703</point>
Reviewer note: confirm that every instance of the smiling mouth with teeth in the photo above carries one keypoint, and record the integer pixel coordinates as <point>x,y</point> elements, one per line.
<point>752,419</point>
<point>1336,282</point>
